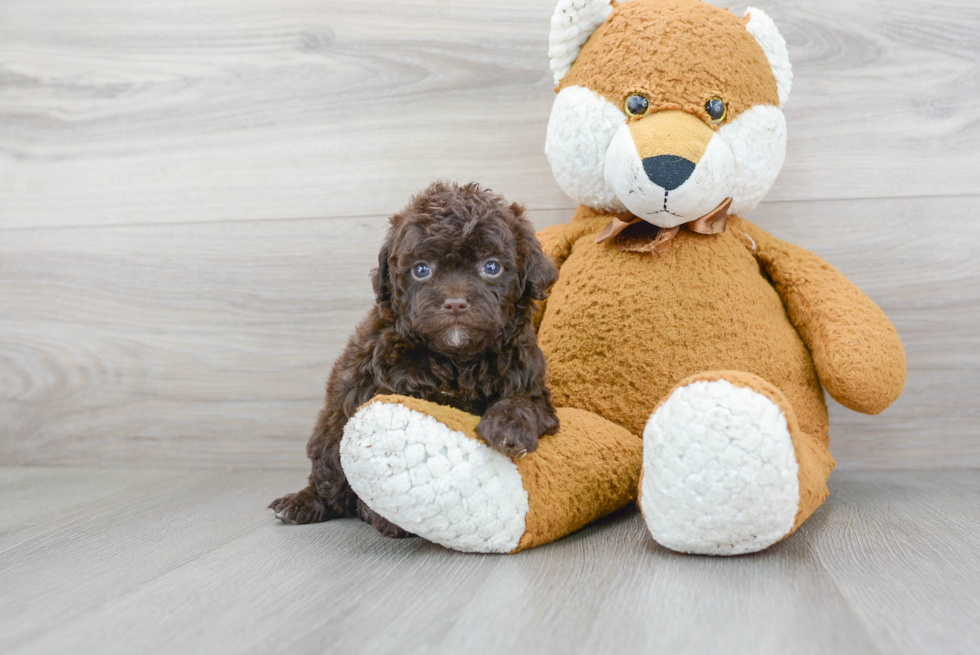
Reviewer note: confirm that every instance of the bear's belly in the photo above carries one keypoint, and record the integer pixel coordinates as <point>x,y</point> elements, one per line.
<point>621,329</point>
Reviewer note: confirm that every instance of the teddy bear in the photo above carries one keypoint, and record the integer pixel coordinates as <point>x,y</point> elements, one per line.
<point>688,350</point>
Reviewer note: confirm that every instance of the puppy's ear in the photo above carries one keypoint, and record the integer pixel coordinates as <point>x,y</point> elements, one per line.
<point>379,276</point>
<point>539,272</point>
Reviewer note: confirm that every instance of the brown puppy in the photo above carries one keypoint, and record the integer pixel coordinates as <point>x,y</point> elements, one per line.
<point>455,287</point>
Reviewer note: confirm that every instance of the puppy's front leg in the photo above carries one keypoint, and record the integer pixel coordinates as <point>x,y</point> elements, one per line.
<point>328,496</point>
<point>511,426</point>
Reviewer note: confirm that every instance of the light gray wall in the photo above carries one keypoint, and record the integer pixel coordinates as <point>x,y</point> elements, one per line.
<point>192,195</point>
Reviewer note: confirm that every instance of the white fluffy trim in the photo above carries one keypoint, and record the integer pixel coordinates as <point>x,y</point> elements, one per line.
<point>720,475</point>
<point>571,26</point>
<point>581,127</point>
<point>774,45</point>
<point>710,183</point>
<point>757,141</point>
<point>433,481</point>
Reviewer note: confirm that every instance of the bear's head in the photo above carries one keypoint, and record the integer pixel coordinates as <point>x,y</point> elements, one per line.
<point>666,108</point>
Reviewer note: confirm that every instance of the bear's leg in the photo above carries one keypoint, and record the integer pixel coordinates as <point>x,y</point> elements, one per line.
<point>726,468</point>
<point>422,467</point>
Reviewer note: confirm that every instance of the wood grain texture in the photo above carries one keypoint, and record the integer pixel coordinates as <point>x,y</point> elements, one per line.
<point>118,543</point>
<point>898,541</point>
<point>116,113</point>
<point>888,565</point>
<point>209,344</point>
<point>32,497</point>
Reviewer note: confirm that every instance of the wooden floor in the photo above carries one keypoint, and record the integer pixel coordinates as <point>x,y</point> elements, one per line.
<point>175,561</point>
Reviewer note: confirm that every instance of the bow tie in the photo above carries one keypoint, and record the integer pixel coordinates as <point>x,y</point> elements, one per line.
<point>654,240</point>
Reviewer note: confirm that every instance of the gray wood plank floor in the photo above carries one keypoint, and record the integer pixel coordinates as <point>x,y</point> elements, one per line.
<point>173,561</point>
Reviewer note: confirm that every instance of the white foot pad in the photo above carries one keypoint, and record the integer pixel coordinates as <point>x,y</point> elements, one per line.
<point>433,481</point>
<point>720,475</point>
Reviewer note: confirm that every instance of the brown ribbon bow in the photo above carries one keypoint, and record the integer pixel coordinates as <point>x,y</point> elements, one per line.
<point>714,222</point>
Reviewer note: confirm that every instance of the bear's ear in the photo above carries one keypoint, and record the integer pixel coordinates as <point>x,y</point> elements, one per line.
<point>774,45</point>
<point>572,24</point>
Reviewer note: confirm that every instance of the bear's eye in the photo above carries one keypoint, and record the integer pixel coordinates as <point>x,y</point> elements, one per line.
<point>492,269</point>
<point>717,110</point>
<point>637,105</point>
<point>421,271</point>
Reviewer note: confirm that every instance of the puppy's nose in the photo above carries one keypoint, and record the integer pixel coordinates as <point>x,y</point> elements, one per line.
<point>668,171</point>
<point>456,306</point>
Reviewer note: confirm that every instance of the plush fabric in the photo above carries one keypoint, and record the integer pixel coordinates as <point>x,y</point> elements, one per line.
<point>428,478</point>
<point>702,305</point>
<point>669,168</point>
<point>571,24</point>
<point>856,349</point>
<point>720,473</point>
<point>679,53</point>
<point>588,469</point>
<point>765,32</point>
<point>813,459</point>
<point>411,467</point>
<point>581,127</point>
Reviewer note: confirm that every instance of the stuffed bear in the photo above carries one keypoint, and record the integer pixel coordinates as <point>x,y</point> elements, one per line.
<point>687,348</point>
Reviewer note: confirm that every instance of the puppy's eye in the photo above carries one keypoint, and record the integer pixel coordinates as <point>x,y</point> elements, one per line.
<point>421,271</point>
<point>717,110</point>
<point>492,269</point>
<point>637,105</point>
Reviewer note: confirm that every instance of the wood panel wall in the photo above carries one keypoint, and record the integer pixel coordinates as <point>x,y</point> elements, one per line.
<point>192,195</point>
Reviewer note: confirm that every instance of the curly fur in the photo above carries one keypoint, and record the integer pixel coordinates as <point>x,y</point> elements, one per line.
<point>485,360</point>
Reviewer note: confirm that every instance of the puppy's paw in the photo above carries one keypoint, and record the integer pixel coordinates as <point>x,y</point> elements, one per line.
<point>380,523</point>
<point>548,422</point>
<point>510,427</point>
<point>301,507</point>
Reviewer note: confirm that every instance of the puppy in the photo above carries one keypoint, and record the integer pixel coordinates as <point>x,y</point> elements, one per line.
<point>456,284</point>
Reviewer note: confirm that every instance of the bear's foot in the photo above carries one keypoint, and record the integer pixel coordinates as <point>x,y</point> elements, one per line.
<point>430,479</point>
<point>422,467</point>
<point>720,471</point>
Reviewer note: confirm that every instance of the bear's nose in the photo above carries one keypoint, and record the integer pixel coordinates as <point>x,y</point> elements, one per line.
<point>668,171</point>
<point>455,306</point>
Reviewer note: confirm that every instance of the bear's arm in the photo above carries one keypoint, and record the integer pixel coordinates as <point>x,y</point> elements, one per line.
<point>557,242</point>
<point>856,349</point>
